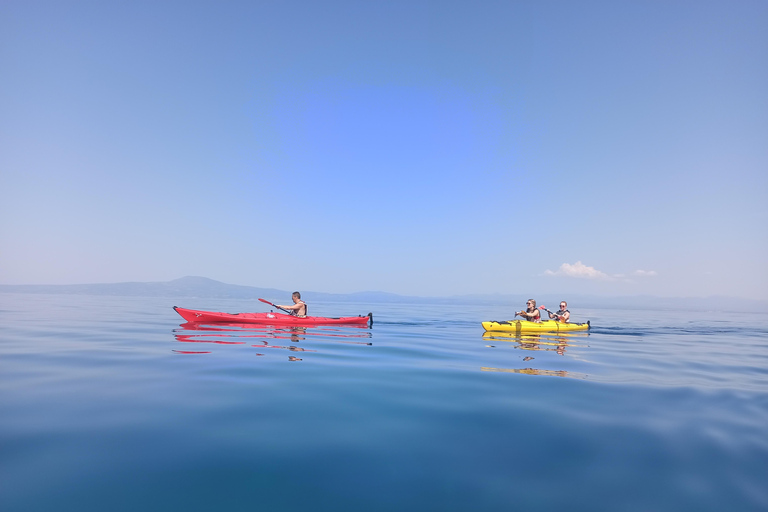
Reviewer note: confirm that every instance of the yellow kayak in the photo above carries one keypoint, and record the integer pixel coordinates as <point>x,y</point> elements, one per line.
<point>524,326</point>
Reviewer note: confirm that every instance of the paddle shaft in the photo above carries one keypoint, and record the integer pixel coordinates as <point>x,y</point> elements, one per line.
<point>275,306</point>
<point>557,316</point>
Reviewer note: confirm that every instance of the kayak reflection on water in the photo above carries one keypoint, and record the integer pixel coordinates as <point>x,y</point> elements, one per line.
<point>236,334</point>
<point>556,343</point>
<point>536,371</point>
<point>534,342</point>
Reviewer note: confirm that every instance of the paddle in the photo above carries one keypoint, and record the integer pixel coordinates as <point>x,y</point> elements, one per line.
<point>545,309</point>
<point>275,306</point>
<point>556,315</point>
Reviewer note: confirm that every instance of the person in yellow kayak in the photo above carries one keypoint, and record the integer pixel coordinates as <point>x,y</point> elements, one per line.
<point>299,307</point>
<point>531,313</point>
<point>561,316</point>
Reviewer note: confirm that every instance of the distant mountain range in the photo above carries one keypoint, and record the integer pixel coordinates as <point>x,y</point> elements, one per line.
<point>202,287</point>
<point>193,287</point>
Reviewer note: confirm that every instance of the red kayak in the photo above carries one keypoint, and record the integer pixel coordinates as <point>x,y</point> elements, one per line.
<point>210,317</point>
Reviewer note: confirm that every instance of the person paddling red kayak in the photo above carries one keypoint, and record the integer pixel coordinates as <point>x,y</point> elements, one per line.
<point>297,315</point>
<point>299,307</point>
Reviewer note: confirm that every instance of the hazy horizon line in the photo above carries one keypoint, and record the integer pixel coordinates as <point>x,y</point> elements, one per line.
<point>198,282</point>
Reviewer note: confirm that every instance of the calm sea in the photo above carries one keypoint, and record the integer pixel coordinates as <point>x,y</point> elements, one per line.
<point>111,404</point>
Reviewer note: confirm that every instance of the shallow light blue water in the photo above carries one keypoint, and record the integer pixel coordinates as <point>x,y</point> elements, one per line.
<point>109,403</point>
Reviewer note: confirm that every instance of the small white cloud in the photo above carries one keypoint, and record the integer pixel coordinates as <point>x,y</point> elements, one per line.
<point>579,270</point>
<point>582,271</point>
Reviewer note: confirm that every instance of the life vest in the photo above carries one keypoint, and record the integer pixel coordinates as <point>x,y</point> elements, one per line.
<point>306,309</point>
<point>535,318</point>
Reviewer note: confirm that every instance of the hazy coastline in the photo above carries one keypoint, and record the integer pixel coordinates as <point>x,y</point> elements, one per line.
<point>202,287</point>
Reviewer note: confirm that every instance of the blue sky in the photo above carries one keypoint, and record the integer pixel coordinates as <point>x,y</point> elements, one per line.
<point>426,148</point>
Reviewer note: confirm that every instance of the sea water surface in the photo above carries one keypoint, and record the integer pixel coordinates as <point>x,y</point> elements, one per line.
<point>113,403</point>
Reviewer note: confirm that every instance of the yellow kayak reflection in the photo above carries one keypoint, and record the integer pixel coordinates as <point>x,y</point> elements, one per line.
<point>535,371</point>
<point>557,343</point>
<point>547,342</point>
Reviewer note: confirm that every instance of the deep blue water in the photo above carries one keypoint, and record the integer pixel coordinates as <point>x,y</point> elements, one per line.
<point>109,403</point>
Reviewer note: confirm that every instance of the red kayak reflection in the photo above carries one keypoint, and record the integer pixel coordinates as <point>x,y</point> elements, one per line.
<point>265,337</point>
